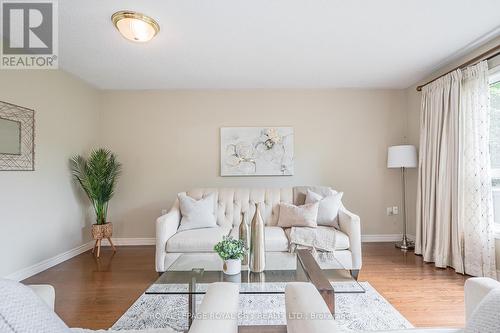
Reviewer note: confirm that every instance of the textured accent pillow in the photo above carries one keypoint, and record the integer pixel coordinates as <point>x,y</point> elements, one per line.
<point>298,216</point>
<point>328,207</point>
<point>22,311</point>
<point>197,214</point>
<point>486,317</point>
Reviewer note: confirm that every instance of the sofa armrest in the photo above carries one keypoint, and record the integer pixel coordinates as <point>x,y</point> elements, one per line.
<point>306,311</point>
<point>475,290</point>
<point>218,313</point>
<point>46,292</point>
<point>166,227</point>
<point>350,224</point>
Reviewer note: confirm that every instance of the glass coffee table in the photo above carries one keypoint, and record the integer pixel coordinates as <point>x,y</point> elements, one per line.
<point>191,274</point>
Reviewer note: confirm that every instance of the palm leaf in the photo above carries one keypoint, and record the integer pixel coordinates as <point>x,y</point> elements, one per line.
<point>97,176</point>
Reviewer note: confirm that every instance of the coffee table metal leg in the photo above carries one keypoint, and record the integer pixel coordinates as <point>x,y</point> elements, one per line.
<point>317,278</point>
<point>329,298</point>
<point>191,301</point>
<point>191,309</point>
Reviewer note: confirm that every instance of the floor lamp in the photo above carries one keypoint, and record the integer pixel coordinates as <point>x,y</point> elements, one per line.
<point>403,157</point>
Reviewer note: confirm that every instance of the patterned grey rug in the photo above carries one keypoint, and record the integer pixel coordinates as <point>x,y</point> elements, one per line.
<point>357,311</point>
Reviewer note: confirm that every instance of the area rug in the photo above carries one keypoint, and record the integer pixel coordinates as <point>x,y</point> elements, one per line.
<point>367,311</point>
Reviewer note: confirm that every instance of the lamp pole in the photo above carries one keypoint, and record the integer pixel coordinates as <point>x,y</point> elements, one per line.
<point>402,157</point>
<point>405,244</point>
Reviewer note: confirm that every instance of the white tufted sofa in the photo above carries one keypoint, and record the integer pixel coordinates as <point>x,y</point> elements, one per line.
<point>229,205</point>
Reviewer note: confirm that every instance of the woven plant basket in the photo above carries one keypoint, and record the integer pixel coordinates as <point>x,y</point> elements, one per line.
<point>100,231</point>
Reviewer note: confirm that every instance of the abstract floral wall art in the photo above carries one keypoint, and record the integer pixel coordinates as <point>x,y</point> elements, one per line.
<point>256,151</point>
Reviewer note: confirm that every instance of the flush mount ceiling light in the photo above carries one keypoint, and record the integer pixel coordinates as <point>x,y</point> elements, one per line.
<point>134,26</point>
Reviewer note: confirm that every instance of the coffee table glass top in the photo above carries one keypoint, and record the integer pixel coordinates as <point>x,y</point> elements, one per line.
<point>191,273</point>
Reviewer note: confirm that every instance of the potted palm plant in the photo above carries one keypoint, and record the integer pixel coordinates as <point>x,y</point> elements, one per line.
<point>231,251</point>
<point>97,176</point>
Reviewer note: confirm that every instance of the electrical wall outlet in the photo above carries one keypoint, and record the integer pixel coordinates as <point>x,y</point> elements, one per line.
<point>395,210</point>
<point>389,211</point>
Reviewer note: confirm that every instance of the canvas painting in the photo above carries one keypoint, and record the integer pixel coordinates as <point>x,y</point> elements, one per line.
<point>256,151</point>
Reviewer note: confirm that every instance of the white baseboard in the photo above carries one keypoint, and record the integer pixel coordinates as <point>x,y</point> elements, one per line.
<point>47,263</point>
<point>381,238</point>
<point>129,241</point>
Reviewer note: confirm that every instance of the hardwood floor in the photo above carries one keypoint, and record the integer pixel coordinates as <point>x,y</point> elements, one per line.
<point>94,293</point>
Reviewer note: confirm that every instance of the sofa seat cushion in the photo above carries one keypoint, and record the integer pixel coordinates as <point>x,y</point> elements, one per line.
<point>196,240</point>
<point>275,239</point>
<point>341,239</point>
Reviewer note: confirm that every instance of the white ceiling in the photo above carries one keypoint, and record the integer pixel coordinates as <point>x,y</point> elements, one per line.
<point>237,44</point>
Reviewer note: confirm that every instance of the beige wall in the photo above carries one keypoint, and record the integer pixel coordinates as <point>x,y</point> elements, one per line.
<point>41,212</point>
<point>413,109</point>
<point>169,142</point>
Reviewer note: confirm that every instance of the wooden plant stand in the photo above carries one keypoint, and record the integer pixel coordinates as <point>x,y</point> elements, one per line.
<point>99,232</point>
<point>97,245</point>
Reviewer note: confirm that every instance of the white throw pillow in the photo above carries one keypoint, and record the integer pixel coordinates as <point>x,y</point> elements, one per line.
<point>197,214</point>
<point>328,207</point>
<point>298,216</point>
<point>486,317</point>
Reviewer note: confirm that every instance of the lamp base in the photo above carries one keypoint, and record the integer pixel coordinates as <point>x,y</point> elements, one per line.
<point>405,245</point>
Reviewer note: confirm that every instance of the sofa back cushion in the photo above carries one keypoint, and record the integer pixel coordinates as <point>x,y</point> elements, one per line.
<point>231,202</point>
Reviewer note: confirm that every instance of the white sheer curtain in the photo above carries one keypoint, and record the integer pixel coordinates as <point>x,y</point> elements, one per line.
<point>454,206</point>
<point>475,196</point>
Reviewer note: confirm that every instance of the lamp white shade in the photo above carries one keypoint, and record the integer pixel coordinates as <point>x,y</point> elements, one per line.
<point>403,156</point>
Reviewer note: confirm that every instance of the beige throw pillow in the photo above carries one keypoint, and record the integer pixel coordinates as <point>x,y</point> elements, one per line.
<point>298,216</point>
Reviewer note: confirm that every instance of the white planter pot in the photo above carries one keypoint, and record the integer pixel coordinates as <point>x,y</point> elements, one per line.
<point>232,267</point>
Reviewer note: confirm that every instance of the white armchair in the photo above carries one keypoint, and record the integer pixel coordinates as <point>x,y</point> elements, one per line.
<point>306,310</point>
<point>21,311</point>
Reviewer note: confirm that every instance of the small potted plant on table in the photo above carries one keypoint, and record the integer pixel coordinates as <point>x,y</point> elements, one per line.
<point>231,251</point>
<point>97,175</point>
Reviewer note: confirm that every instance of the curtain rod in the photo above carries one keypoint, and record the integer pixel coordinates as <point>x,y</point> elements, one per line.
<point>483,56</point>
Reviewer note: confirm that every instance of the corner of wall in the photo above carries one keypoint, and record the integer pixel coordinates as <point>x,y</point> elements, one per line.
<point>46,201</point>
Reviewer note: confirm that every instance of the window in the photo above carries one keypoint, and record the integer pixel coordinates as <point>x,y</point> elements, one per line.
<point>495,142</point>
